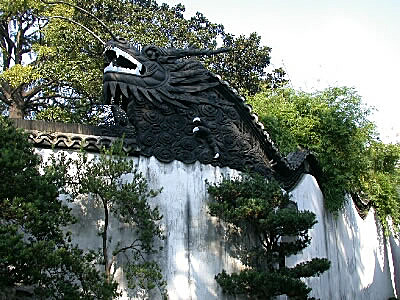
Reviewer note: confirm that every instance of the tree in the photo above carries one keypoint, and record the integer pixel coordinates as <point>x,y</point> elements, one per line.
<point>334,124</point>
<point>17,19</point>
<point>106,181</point>
<point>244,66</point>
<point>65,66</point>
<point>30,80</point>
<point>265,228</point>
<point>34,250</point>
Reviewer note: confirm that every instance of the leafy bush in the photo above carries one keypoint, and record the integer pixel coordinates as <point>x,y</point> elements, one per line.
<point>334,124</point>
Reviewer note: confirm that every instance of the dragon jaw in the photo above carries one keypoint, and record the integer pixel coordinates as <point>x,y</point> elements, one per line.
<point>122,62</point>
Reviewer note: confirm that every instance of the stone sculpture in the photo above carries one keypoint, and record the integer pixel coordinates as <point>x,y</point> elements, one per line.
<point>163,91</point>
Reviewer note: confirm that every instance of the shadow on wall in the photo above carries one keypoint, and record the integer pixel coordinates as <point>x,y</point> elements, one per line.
<point>395,247</point>
<point>194,250</point>
<point>357,249</point>
<point>206,251</point>
<point>222,246</point>
<point>86,233</point>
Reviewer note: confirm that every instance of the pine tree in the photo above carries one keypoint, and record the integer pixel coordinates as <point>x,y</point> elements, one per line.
<point>265,227</point>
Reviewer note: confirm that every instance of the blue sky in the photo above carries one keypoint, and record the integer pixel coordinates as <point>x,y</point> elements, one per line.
<point>325,43</point>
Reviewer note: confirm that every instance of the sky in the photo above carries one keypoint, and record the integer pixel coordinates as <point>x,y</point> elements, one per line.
<point>323,43</point>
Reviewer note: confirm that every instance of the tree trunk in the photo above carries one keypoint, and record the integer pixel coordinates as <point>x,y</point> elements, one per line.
<point>107,264</point>
<point>16,111</point>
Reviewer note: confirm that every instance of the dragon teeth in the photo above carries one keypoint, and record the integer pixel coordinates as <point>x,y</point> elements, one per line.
<point>113,87</point>
<point>110,89</point>
<point>124,89</point>
<point>105,91</point>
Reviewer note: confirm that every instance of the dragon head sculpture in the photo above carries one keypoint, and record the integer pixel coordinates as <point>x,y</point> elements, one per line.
<point>154,74</point>
<point>161,92</point>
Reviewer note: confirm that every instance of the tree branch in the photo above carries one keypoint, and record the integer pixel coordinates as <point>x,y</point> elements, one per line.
<point>131,246</point>
<point>107,264</point>
<point>9,44</point>
<point>32,92</point>
<point>5,92</point>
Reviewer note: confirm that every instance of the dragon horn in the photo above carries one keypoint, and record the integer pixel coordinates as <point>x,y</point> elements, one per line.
<point>86,12</point>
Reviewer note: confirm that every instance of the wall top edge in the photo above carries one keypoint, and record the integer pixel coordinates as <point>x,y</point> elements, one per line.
<point>75,136</point>
<point>45,134</point>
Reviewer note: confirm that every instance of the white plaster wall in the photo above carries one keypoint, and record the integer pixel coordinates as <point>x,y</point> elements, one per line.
<point>194,249</point>
<point>364,263</point>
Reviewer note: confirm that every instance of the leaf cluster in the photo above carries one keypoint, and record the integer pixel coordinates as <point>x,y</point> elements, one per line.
<point>244,67</point>
<point>380,183</point>
<point>34,249</point>
<point>19,26</point>
<point>260,284</point>
<point>264,227</point>
<point>107,180</point>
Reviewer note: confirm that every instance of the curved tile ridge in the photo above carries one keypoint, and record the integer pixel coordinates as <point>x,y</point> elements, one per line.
<point>78,141</point>
<point>292,162</point>
<point>295,159</point>
<point>75,136</point>
<point>253,114</point>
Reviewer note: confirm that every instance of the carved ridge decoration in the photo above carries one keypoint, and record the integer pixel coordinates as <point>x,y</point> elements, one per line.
<point>163,92</point>
<point>169,136</point>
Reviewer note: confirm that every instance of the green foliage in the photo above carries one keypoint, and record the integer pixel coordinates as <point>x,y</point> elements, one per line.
<point>83,113</point>
<point>381,183</point>
<point>264,227</point>
<point>18,20</point>
<point>34,250</point>
<point>18,75</point>
<point>276,79</point>
<point>55,113</point>
<point>146,276</point>
<point>116,186</point>
<point>161,25</point>
<point>334,125</point>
